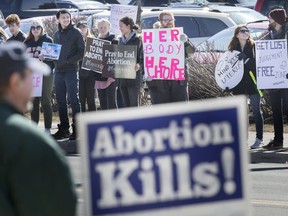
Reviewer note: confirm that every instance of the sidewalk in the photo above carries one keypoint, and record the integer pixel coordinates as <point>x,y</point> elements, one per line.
<point>257,156</point>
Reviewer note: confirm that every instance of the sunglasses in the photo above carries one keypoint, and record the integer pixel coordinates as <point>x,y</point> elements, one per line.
<point>244,31</point>
<point>35,27</point>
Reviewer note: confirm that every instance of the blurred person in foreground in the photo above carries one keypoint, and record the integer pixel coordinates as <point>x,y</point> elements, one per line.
<point>243,43</point>
<point>13,23</point>
<point>34,43</point>
<point>278,97</point>
<point>34,174</point>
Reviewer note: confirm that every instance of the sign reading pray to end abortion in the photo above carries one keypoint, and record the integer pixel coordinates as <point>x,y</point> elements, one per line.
<point>188,160</point>
<point>229,70</point>
<point>271,64</point>
<point>163,54</point>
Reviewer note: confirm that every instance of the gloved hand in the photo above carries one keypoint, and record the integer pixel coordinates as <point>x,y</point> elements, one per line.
<point>242,56</point>
<point>183,38</point>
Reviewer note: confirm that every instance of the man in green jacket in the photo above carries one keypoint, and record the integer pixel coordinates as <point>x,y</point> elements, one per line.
<point>34,175</point>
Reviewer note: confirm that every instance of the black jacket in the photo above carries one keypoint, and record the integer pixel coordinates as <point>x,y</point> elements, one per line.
<point>134,40</point>
<point>34,48</point>
<point>72,49</point>
<point>246,85</point>
<point>19,37</point>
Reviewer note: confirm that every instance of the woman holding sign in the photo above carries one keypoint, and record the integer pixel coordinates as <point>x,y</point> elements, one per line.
<point>243,43</point>
<point>130,88</point>
<point>106,87</point>
<point>34,44</point>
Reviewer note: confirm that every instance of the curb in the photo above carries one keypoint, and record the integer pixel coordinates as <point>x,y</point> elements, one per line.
<point>264,156</point>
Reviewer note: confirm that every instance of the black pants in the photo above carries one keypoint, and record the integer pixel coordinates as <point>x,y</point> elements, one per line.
<point>107,97</point>
<point>87,93</point>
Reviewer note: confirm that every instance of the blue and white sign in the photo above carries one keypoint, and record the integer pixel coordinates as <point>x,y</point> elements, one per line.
<point>187,159</point>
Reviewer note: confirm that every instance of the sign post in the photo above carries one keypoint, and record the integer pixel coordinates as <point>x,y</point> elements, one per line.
<point>188,160</point>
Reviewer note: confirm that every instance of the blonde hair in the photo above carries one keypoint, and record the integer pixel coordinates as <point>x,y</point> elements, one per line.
<point>102,20</point>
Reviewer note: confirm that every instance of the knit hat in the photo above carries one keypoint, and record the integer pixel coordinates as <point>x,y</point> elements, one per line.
<point>278,15</point>
<point>36,22</point>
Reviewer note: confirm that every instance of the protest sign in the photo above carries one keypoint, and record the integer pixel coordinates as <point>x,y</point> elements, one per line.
<point>93,54</point>
<point>163,54</point>
<point>188,160</point>
<point>51,50</point>
<point>271,64</point>
<point>119,61</point>
<point>118,12</point>
<point>229,70</point>
<point>37,84</point>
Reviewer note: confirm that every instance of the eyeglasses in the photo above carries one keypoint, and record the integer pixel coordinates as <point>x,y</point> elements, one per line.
<point>168,20</point>
<point>35,27</point>
<point>244,31</point>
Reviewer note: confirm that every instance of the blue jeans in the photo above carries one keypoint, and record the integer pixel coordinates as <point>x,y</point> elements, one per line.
<point>279,103</point>
<point>67,83</point>
<point>257,114</point>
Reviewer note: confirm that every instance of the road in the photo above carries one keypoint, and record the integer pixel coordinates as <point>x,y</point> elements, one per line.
<point>269,187</point>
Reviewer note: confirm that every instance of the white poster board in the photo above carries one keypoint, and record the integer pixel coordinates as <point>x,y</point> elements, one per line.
<point>51,50</point>
<point>271,64</point>
<point>164,54</point>
<point>37,84</point>
<point>229,70</point>
<point>120,11</point>
<point>188,160</point>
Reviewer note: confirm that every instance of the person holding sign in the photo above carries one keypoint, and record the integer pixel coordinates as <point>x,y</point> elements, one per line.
<point>106,87</point>
<point>167,91</point>
<point>86,77</point>
<point>67,72</point>
<point>278,97</point>
<point>243,43</point>
<point>130,88</point>
<point>34,173</point>
<point>34,43</point>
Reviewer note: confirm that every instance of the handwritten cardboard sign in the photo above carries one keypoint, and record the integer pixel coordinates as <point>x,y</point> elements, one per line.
<point>118,12</point>
<point>163,54</point>
<point>271,64</point>
<point>93,55</point>
<point>119,61</point>
<point>37,84</point>
<point>187,160</point>
<point>229,70</point>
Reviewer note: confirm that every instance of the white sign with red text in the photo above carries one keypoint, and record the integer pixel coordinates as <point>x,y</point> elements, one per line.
<point>37,84</point>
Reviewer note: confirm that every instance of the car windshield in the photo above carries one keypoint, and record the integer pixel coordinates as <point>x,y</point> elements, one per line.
<point>220,41</point>
<point>240,17</point>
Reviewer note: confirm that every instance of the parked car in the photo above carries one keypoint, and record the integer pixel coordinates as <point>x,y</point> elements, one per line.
<point>197,25</point>
<point>28,8</point>
<point>265,6</point>
<point>210,50</point>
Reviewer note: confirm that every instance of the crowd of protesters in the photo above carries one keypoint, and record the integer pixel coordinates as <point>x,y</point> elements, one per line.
<point>79,85</point>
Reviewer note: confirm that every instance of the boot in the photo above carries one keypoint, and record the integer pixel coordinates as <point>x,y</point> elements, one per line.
<point>62,133</point>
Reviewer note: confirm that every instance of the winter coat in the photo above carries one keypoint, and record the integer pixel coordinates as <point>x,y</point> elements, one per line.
<point>246,85</point>
<point>34,48</point>
<point>72,49</point>
<point>19,37</point>
<point>134,40</point>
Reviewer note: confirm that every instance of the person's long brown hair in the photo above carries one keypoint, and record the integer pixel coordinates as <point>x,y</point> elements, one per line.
<point>31,36</point>
<point>235,41</point>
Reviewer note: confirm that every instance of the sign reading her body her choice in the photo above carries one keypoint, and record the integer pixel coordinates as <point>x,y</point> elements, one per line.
<point>118,12</point>
<point>164,54</point>
<point>271,64</point>
<point>93,55</point>
<point>229,70</point>
<point>187,160</point>
<point>37,84</point>
<point>51,50</point>
<point>119,61</point>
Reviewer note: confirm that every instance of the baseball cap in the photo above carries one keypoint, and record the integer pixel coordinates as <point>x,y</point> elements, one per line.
<point>82,23</point>
<point>13,57</point>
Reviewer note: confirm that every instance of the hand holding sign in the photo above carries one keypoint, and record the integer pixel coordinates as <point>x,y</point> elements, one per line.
<point>229,69</point>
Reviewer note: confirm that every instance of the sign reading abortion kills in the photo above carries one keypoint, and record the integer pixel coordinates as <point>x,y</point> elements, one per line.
<point>229,70</point>
<point>93,54</point>
<point>119,61</point>
<point>271,64</point>
<point>163,54</point>
<point>188,160</point>
<point>37,84</point>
